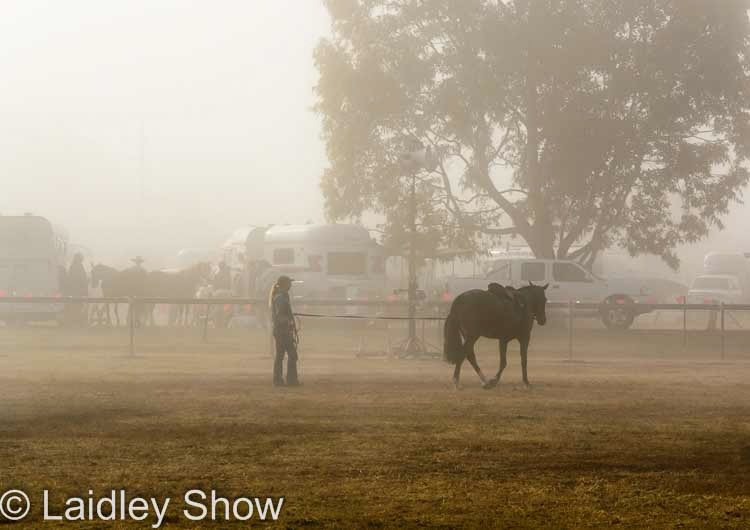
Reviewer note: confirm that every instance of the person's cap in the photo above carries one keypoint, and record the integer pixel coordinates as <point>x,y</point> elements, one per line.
<point>284,280</point>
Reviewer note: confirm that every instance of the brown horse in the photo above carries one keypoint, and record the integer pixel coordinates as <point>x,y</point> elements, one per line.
<point>128,283</point>
<point>500,313</point>
<point>180,284</point>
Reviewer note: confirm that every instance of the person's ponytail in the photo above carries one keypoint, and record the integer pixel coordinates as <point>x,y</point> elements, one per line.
<point>272,293</point>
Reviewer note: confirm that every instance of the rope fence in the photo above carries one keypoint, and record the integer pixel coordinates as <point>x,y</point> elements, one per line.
<point>572,308</point>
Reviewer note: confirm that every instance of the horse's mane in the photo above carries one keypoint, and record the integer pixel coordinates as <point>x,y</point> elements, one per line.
<point>104,268</point>
<point>527,288</point>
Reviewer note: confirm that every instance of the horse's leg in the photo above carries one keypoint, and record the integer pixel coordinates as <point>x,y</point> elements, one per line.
<point>472,358</point>
<point>503,363</point>
<point>524,351</point>
<point>457,374</point>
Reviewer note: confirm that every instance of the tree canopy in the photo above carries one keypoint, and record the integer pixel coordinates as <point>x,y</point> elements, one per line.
<point>575,124</point>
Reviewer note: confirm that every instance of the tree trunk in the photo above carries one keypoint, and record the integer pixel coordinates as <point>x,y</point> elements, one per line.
<point>542,236</point>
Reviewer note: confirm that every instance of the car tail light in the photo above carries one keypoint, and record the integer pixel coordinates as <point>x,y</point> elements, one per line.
<point>447,296</point>
<point>3,294</point>
<point>681,299</point>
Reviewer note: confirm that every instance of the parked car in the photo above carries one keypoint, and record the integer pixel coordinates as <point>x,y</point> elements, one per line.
<point>568,280</point>
<point>715,289</point>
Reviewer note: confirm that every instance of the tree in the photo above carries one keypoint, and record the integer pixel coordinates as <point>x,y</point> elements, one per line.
<point>576,124</point>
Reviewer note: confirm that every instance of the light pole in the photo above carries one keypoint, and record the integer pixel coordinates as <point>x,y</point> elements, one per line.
<point>414,161</point>
<point>412,348</point>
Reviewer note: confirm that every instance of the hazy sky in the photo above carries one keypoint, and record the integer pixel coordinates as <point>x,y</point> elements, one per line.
<point>221,90</point>
<point>222,93</point>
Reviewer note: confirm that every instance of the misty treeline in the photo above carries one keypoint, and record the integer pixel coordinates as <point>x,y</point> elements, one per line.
<point>577,125</point>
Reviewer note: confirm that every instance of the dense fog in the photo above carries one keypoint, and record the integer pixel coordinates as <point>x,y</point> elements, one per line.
<point>146,127</point>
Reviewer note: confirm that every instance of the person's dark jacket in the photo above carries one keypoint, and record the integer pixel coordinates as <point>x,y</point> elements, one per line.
<point>77,282</point>
<point>281,314</point>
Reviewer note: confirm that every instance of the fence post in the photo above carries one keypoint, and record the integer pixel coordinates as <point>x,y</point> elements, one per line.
<point>205,323</point>
<point>570,329</point>
<point>723,347</point>
<point>131,325</point>
<point>684,322</point>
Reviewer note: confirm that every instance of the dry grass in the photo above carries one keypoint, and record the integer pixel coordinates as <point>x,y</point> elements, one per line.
<point>640,434</point>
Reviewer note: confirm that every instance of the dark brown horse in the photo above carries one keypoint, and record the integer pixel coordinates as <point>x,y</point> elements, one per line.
<point>127,283</point>
<point>501,313</point>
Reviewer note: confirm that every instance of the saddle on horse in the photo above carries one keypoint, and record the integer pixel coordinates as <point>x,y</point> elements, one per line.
<point>507,293</point>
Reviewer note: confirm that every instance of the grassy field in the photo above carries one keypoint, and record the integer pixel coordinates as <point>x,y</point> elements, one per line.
<point>635,431</point>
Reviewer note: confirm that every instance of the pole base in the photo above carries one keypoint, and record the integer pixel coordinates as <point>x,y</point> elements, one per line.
<point>414,348</point>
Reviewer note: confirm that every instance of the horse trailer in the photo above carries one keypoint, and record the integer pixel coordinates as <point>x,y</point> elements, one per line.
<point>33,254</point>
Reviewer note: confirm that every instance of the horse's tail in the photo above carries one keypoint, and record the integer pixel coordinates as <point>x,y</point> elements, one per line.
<point>453,350</point>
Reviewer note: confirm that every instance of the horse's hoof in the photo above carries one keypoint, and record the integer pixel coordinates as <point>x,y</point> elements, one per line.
<point>492,383</point>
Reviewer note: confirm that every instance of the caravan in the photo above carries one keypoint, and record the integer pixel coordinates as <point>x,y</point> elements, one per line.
<point>328,261</point>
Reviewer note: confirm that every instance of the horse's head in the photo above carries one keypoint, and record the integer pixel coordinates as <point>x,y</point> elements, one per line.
<point>537,301</point>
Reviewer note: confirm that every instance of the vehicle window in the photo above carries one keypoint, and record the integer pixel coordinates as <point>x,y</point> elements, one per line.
<point>532,271</point>
<point>347,263</point>
<point>283,256</point>
<point>568,272</point>
<point>711,283</point>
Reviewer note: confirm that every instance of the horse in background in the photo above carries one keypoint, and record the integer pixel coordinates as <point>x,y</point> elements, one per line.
<point>127,283</point>
<point>501,313</point>
<point>179,284</point>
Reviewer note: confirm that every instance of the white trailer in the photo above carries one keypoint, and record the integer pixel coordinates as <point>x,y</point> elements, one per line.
<point>328,260</point>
